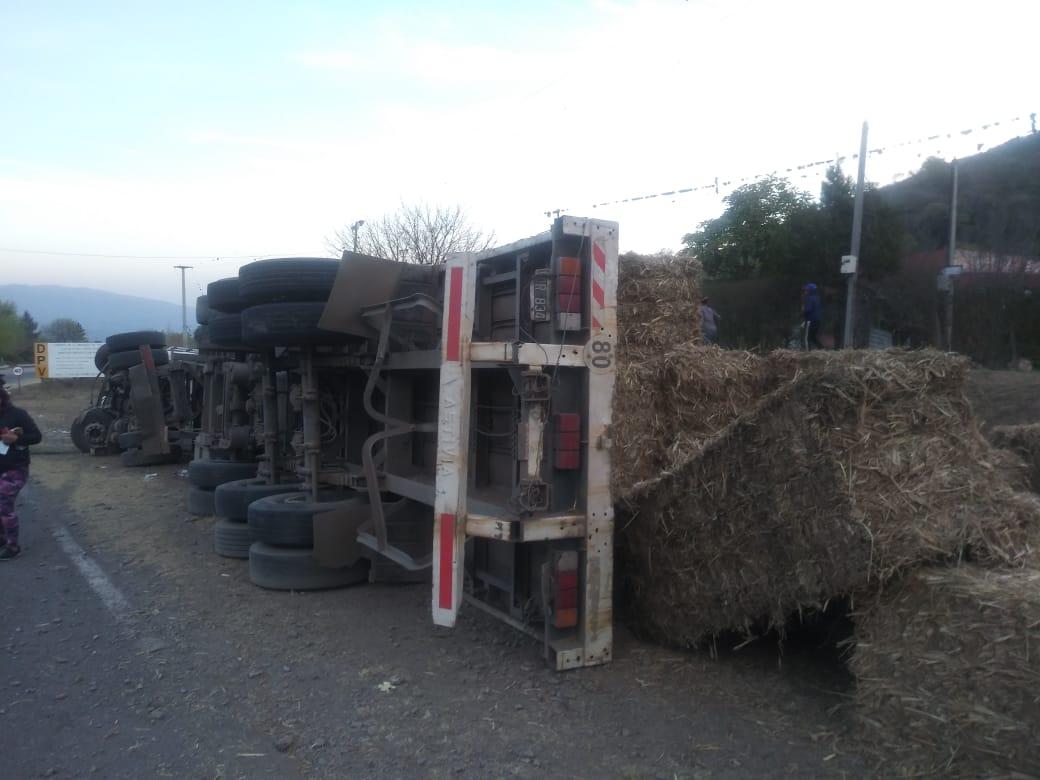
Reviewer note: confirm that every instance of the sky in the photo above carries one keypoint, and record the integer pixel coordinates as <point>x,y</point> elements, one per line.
<point>210,134</point>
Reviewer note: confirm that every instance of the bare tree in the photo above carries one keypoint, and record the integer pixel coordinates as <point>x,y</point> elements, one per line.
<point>417,233</point>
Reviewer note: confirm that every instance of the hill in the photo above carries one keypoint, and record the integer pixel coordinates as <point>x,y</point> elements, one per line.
<point>101,313</point>
<point>998,200</point>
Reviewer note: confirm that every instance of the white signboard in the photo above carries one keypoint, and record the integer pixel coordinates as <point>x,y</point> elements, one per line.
<point>66,360</point>
<point>849,264</point>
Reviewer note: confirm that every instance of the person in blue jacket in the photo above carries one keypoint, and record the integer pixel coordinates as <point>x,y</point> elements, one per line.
<point>812,310</point>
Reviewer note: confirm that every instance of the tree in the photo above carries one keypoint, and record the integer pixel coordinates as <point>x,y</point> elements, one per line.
<point>418,234</point>
<point>771,229</point>
<point>30,334</point>
<point>10,331</point>
<point>753,236</point>
<point>64,329</point>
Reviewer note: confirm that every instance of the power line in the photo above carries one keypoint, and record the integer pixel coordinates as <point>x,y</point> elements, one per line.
<point>717,185</point>
<point>125,257</point>
<point>211,258</point>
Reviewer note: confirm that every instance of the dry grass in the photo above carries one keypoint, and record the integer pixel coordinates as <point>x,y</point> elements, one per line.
<point>658,301</point>
<point>948,673</point>
<point>858,467</point>
<point>668,402</point>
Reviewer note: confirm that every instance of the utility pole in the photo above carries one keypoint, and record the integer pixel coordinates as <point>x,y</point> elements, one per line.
<point>951,253</point>
<point>857,232</point>
<point>354,229</point>
<point>184,303</point>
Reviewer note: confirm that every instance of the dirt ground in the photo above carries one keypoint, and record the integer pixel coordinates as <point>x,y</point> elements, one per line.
<point>308,672</point>
<point>1005,397</point>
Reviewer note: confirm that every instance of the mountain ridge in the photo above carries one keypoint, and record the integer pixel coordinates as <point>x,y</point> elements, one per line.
<point>100,312</point>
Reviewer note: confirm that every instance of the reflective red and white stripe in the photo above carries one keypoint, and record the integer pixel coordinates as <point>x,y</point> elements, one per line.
<point>599,285</point>
<point>454,331</point>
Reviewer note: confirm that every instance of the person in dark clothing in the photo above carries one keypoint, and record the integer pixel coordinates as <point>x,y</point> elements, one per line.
<point>17,433</point>
<point>812,309</point>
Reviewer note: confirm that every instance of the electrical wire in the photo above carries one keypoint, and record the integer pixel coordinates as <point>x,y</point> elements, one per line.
<point>726,181</point>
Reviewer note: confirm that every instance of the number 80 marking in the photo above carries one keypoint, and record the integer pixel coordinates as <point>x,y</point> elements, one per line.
<point>599,354</point>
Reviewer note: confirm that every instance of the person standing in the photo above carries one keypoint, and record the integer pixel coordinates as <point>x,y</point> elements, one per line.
<point>17,433</point>
<point>812,310</point>
<point>709,322</point>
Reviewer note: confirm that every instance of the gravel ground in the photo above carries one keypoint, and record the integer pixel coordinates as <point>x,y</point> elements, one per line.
<point>191,671</point>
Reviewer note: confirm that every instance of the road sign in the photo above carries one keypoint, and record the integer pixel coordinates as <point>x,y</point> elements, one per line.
<point>849,264</point>
<point>71,360</point>
<point>40,357</point>
<point>18,371</point>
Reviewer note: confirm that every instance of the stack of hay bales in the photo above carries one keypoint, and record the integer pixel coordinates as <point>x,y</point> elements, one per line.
<point>755,489</point>
<point>858,467</point>
<point>1024,440</point>
<point>948,672</point>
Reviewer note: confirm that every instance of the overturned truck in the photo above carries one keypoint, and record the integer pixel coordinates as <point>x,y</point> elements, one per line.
<point>448,423</point>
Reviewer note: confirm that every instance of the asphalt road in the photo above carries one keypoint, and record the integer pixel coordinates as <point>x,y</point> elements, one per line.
<point>92,686</point>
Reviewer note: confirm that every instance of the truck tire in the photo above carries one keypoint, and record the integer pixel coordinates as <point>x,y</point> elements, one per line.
<point>90,428</point>
<point>224,295</point>
<point>120,361</point>
<point>287,519</point>
<point>232,540</point>
<point>202,310</point>
<point>224,329</point>
<point>290,568</point>
<point>121,342</point>
<point>288,279</point>
<point>200,501</point>
<point>101,357</point>
<point>232,499</point>
<point>210,473</point>
<point>135,457</point>
<point>288,324</point>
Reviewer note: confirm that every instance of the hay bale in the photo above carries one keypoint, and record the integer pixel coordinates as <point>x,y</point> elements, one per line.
<point>658,300</point>
<point>1024,441</point>
<point>668,402</point>
<point>859,466</point>
<point>948,673</point>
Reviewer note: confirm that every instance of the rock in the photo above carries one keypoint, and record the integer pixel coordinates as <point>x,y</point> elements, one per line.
<point>157,714</point>
<point>284,743</point>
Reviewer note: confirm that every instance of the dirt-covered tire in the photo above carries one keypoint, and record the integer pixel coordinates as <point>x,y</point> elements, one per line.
<point>233,498</point>
<point>202,310</point>
<point>231,539</point>
<point>224,295</point>
<point>209,474</point>
<point>120,342</point>
<point>294,568</point>
<point>288,279</point>
<point>90,428</point>
<point>288,519</point>
<point>101,357</point>
<point>200,501</point>
<point>120,361</point>
<point>287,324</point>
<point>135,457</point>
